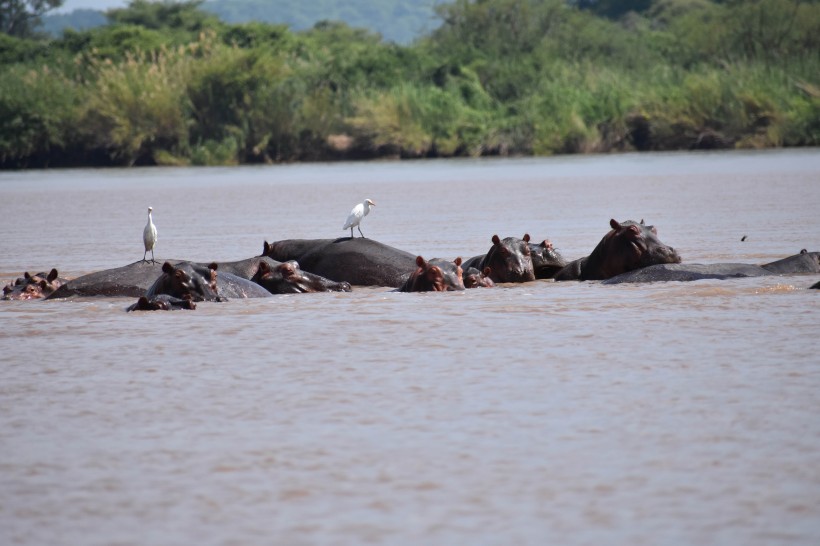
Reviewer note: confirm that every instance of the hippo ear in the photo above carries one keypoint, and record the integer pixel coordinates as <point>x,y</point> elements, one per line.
<point>265,248</point>
<point>420,261</point>
<point>213,266</point>
<point>457,261</point>
<point>264,268</point>
<point>496,240</point>
<point>486,271</point>
<point>526,237</point>
<point>52,275</point>
<point>613,223</point>
<point>27,275</point>
<point>167,268</point>
<point>43,284</point>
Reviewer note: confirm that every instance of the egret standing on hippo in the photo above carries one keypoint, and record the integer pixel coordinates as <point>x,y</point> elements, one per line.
<point>356,215</point>
<point>149,237</point>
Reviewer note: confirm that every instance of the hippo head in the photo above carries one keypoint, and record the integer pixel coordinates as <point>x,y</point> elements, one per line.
<point>473,278</point>
<point>162,302</point>
<point>546,261</point>
<point>29,287</point>
<point>629,245</point>
<point>288,278</point>
<point>510,260</point>
<point>436,275</point>
<point>187,281</point>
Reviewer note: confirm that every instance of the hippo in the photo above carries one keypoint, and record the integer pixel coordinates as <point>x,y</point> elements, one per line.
<point>288,278</point>
<point>803,263</point>
<point>186,281</point>
<point>627,246</point>
<point>162,302</point>
<point>29,287</point>
<point>135,279</point>
<point>546,261</point>
<point>473,278</point>
<point>509,260</point>
<point>359,261</point>
<point>436,275</point>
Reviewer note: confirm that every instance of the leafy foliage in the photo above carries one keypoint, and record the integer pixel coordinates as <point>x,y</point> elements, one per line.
<point>170,84</point>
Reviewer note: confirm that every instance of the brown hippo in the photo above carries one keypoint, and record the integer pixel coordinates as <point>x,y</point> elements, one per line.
<point>186,281</point>
<point>135,279</point>
<point>473,278</point>
<point>162,302</point>
<point>546,261</point>
<point>509,260</point>
<point>29,287</point>
<point>436,275</point>
<point>804,262</point>
<point>627,246</point>
<point>798,264</point>
<point>287,278</point>
<point>359,261</point>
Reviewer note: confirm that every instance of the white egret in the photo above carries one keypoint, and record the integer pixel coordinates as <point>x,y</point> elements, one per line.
<point>149,237</point>
<point>359,211</point>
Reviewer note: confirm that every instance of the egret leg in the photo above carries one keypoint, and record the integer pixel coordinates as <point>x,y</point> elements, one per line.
<point>360,231</point>
<point>153,261</point>
<point>351,232</point>
<point>143,256</point>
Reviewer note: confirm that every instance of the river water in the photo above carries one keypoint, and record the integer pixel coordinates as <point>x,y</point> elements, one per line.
<point>544,413</point>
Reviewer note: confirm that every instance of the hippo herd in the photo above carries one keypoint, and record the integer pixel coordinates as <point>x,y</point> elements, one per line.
<point>629,252</point>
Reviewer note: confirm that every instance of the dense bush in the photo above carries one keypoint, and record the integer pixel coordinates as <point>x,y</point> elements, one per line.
<point>167,84</point>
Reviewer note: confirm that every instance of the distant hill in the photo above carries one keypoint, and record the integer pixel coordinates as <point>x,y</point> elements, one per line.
<point>399,21</point>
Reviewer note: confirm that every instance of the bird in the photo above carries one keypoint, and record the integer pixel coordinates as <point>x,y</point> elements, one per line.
<point>149,237</point>
<point>359,211</point>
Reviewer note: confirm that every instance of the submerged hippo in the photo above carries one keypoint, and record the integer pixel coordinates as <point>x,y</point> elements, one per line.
<point>29,287</point>
<point>162,302</point>
<point>360,261</point>
<point>135,279</point>
<point>288,278</point>
<point>546,261</point>
<point>627,246</point>
<point>798,264</point>
<point>509,260</point>
<point>186,281</point>
<point>435,275</point>
<point>804,262</point>
<point>473,278</point>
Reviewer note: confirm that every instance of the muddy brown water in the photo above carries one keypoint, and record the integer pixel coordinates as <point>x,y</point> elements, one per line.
<point>543,413</point>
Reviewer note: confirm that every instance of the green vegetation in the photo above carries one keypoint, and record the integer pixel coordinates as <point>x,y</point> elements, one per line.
<point>167,83</point>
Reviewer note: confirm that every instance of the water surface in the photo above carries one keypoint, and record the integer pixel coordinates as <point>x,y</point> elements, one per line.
<point>565,413</point>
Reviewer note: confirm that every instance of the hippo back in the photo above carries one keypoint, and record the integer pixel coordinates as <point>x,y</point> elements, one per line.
<point>132,280</point>
<point>358,261</point>
<point>805,262</point>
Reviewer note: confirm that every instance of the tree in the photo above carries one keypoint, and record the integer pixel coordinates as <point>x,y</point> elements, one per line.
<point>184,15</point>
<point>20,17</point>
